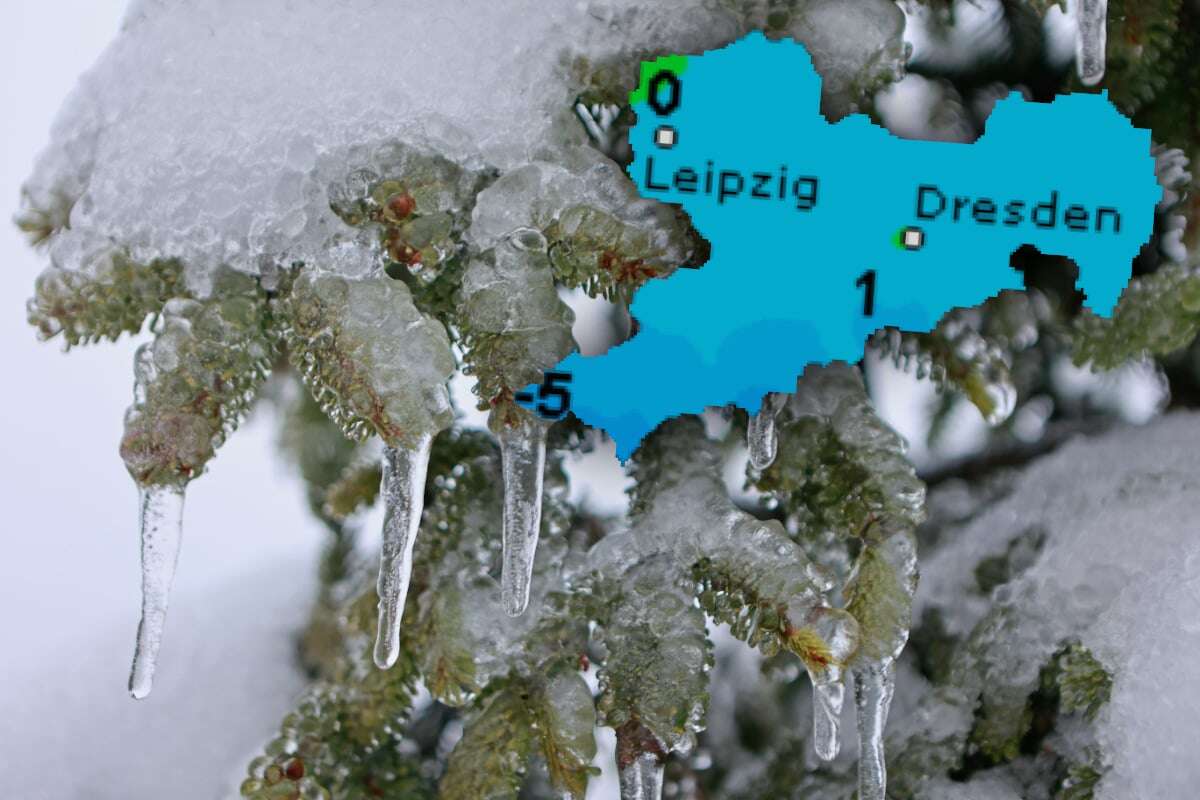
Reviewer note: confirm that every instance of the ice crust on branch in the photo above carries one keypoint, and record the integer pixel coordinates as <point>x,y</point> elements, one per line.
<point>598,232</point>
<point>749,573</point>
<point>229,147</point>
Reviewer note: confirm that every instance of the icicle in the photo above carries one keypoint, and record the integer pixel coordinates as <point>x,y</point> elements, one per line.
<point>403,489</point>
<point>642,779</point>
<point>760,436</point>
<point>827,712</point>
<point>1091,18</point>
<point>873,687</point>
<point>162,531</point>
<point>523,457</point>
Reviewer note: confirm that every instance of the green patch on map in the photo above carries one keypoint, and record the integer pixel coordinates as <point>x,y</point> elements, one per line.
<point>675,64</point>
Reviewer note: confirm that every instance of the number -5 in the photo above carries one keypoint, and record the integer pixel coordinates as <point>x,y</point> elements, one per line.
<point>553,386</point>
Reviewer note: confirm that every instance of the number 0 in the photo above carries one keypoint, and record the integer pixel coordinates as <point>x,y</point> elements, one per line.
<point>664,108</point>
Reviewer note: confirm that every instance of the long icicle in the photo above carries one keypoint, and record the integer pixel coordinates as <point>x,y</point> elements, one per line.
<point>642,778</point>
<point>873,686</point>
<point>827,712</point>
<point>403,490</point>
<point>523,459</point>
<point>761,435</point>
<point>1091,40</point>
<point>161,509</point>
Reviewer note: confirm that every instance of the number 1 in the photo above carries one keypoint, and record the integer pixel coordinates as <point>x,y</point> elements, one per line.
<point>867,281</point>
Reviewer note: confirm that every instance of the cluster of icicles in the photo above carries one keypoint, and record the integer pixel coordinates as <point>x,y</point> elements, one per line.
<point>523,453</point>
<point>873,687</point>
<point>523,457</point>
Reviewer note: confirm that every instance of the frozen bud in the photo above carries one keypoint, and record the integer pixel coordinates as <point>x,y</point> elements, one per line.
<point>515,324</point>
<point>374,362</point>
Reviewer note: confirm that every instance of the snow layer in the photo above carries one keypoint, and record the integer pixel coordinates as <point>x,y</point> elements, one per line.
<point>71,732</point>
<point>212,130</point>
<point>1119,570</point>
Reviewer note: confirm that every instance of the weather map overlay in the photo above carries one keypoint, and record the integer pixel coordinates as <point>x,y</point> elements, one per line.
<point>812,250</point>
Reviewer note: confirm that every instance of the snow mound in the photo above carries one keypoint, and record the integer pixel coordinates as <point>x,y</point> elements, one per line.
<point>1102,538</point>
<point>212,131</point>
<point>233,676</point>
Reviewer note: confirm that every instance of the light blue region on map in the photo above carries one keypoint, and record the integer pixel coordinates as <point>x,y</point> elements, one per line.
<point>779,293</point>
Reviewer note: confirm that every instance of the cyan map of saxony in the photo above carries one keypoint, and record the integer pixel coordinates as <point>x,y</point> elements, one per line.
<point>808,218</point>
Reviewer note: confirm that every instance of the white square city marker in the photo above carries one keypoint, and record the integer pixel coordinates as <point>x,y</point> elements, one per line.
<point>665,136</point>
<point>914,238</point>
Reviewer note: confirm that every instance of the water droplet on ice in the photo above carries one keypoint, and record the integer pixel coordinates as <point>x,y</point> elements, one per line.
<point>761,435</point>
<point>1003,396</point>
<point>529,239</point>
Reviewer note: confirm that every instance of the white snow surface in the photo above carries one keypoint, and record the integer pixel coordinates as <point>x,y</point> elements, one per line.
<point>1120,571</point>
<point>228,674</point>
<point>212,130</point>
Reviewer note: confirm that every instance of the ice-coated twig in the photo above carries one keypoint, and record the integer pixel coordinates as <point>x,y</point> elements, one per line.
<point>523,458</point>
<point>642,779</point>
<point>827,712</point>
<point>599,122</point>
<point>403,489</point>
<point>873,686</point>
<point>761,435</point>
<point>162,531</point>
<point>1091,39</point>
